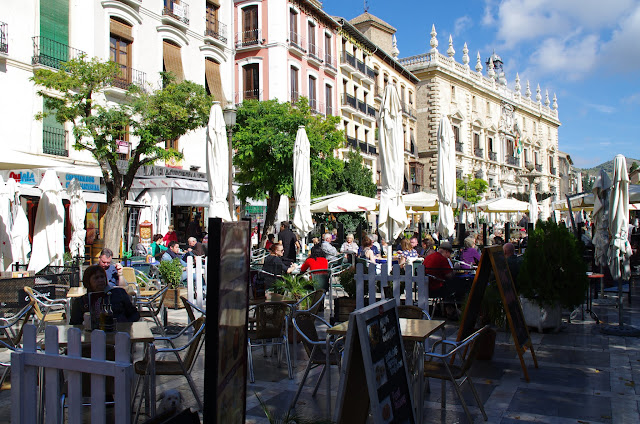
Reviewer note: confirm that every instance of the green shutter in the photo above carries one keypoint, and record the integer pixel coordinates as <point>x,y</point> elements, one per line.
<point>54,31</point>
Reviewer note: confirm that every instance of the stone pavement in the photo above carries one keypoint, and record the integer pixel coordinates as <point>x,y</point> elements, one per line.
<point>583,377</point>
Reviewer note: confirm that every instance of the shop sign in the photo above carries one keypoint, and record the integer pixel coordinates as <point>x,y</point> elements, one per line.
<point>254,209</point>
<point>87,183</point>
<point>33,178</point>
<point>123,147</point>
<point>24,177</point>
<point>162,171</point>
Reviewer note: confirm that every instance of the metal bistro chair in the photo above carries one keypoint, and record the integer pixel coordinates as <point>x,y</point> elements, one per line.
<point>12,339</point>
<point>310,303</point>
<point>270,328</point>
<point>45,309</point>
<point>150,366</point>
<point>453,366</point>
<point>153,306</point>
<point>305,325</point>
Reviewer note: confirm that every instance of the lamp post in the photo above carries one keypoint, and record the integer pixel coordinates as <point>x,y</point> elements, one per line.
<point>466,181</point>
<point>229,114</point>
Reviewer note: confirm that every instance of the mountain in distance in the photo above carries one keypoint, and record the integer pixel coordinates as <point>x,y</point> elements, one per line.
<point>607,166</point>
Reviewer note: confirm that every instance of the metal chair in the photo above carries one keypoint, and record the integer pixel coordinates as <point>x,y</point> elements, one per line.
<point>190,308</point>
<point>10,338</point>
<point>270,327</point>
<point>305,325</point>
<point>453,366</point>
<point>310,303</point>
<point>47,310</point>
<point>412,312</point>
<point>153,306</point>
<point>150,366</point>
<point>320,278</point>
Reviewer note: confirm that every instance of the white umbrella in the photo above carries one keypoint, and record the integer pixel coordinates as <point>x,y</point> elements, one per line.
<point>48,233</point>
<point>217,164</point>
<point>503,205</point>
<point>5,226</point>
<point>302,183</point>
<point>600,240</point>
<point>163,215</point>
<point>446,178</point>
<point>154,212</point>
<point>145,212</point>
<point>344,202</point>
<point>619,247</point>
<point>421,201</point>
<point>393,215</point>
<point>77,215</point>
<point>282,214</point>
<point>20,245</point>
<point>533,205</point>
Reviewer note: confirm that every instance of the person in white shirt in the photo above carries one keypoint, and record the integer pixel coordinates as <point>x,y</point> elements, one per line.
<point>327,247</point>
<point>349,246</point>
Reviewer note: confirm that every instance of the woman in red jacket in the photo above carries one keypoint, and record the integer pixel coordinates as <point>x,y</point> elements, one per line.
<point>317,259</point>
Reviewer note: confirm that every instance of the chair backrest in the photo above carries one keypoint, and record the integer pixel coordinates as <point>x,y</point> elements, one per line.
<point>190,357</point>
<point>36,303</point>
<point>188,308</point>
<point>412,312</point>
<point>129,274</point>
<point>270,319</point>
<point>321,278</point>
<point>472,352</point>
<point>24,315</point>
<point>311,302</point>
<point>305,324</point>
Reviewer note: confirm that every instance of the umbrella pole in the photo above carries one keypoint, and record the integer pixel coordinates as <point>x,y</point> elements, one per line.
<point>620,323</point>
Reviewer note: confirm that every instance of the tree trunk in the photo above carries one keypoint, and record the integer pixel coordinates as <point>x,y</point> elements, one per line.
<point>272,206</point>
<point>113,222</point>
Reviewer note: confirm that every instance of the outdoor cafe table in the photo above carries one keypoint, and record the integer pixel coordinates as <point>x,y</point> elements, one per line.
<point>415,330</point>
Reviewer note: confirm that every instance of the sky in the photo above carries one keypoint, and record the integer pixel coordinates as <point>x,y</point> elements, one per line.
<point>587,52</point>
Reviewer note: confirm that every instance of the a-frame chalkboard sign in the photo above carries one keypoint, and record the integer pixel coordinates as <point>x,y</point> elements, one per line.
<point>493,259</point>
<point>374,355</point>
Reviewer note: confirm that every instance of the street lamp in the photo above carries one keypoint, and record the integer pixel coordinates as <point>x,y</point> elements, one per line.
<point>466,181</point>
<point>229,114</point>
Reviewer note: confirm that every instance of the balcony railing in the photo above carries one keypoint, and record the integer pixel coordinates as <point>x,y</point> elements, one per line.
<point>217,30</point>
<point>538,167</point>
<point>478,152</point>
<point>371,73</point>
<point>552,170</point>
<point>493,156</point>
<point>330,62</point>
<point>360,66</point>
<point>315,52</point>
<point>362,107</point>
<point>349,100</point>
<point>51,53</point>
<point>296,41</point>
<point>54,141</point>
<point>294,96</point>
<point>329,110</point>
<point>248,95</point>
<point>252,37</point>
<point>371,111</point>
<point>179,11</point>
<point>459,147</point>
<point>129,76</point>
<point>348,58</point>
<point>363,146</point>
<point>4,45</point>
<point>408,110</point>
<point>352,142</point>
<point>315,106</point>
<point>511,160</point>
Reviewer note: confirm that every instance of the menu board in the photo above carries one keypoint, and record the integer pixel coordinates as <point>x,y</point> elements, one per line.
<point>226,335</point>
<point>374,352</point>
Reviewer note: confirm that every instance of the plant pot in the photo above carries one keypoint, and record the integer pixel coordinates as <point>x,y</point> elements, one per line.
<point>172,299</point>
<point>342,307</point>
<point>486,345</point>
<point>541,318</point>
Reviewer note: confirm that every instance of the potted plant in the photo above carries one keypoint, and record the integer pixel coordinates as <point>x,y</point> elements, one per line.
<point>171,275</point>
<point>344,305</point>
<point>291,287</point>
<point>552,276</point>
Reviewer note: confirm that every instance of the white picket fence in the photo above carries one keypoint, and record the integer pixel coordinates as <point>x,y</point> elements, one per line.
<point>195,278</point>
<point>413,278</point>
<point>29,367</point>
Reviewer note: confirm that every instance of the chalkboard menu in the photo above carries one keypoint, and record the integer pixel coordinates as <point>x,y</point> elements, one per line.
<point>493,259</point>
<point>374,352</point>
<point>226,333</point>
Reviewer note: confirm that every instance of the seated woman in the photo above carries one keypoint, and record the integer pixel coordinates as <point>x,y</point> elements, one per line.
<point>470,256</point>
<point>428,245</point>
<point>95,281</point>
<point>407,253</point>
<point>367,251</point>
<point>274,266</point>
<point>157,247</point>
<point>316,260</point>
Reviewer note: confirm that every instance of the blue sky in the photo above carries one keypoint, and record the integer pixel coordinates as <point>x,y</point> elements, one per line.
<point>585,51</point>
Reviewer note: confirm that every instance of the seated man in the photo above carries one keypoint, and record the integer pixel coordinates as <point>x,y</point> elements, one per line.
<point>328,247</point>
<point>438,268</point>
<point>195,247</point>
<point>172,253</point>
<point>114,271</point>
<point>94,280</point>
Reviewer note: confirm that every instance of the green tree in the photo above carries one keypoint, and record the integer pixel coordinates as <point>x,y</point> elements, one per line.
<point>153,118</point>
<point>263,140</point>
<point>633,167</point>
<point>474,190</point>
<point>587,183</point>
<point>353,176</point>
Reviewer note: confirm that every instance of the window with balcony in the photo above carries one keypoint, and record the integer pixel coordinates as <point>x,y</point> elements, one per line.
<point>172,59</point>
<point>250,31</point>
<point>328,99</point>
<point>311,35</point>
<point>294,85</point>
<point>293,27</point>
<point>313,99</point>
<point>402,95</point>
<point>177,9</point>
<point>477,148</point>
<point>251,81</point>
<point>54,135</point>
<point>214,28</point>
<point>214,80</point>
<point>328,51</point>
<point>120,42</point>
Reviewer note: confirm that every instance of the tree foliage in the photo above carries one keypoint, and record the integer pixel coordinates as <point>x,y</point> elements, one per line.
<point>76,94</point>
<point>633,167</point>
<point>353,176</point>
<point>474,190</point>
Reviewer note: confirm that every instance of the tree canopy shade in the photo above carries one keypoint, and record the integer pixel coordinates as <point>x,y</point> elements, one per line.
<point>153,117</point>
<point>263,140</point>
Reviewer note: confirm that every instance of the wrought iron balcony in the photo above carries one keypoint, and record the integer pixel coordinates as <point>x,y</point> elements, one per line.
<point>511,160</point>
<point>179,11</point>
<point>129,76</point>
<point>248,95</point>
<point>54,141</point>
<point>315,106</point>
<point>552,170</point>
<point>296,41</point>
<point>329,110</point>
<point>459,147</point>
<point>249,38</point>
<point>349,100</point>
<point>478,152</point>
<point>408,110</point>
<point>51,53</point>
<point>315,53</point>
<point>352,142</point>
<point>294,96</point>
<point>348,59</point>
<point>371,111</point>
<point>362,107</point>
<point>4,44</point>
<point>363,146</point>
<point>493,156</point>
<point>330,62</point>
<point>217,30</point>
<point>538,167</point>
<point>371,73</point>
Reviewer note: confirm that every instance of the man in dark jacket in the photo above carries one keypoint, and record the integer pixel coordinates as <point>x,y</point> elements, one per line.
<point>195,247</point>
<point>289,243</point>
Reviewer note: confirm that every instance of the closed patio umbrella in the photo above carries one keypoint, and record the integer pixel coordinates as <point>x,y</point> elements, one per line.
<point>20,244</point>
<point>302,183</point>
<point>77,215</point>
<point>446,178</point>
<point>533,205</point>
<point>5,226</point>
<point>282,214</point>
<point>48,233</point>
<point>217,164</point>
<point>163,215</point>
<point>393,215</point>
<point>600,241</point>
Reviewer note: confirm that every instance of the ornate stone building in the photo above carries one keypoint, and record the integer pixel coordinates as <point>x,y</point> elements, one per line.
<point>500,133</point>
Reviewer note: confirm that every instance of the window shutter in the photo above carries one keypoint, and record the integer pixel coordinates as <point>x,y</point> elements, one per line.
<point>173,60</point>
<point>121,30</point>
<point>214,81</point>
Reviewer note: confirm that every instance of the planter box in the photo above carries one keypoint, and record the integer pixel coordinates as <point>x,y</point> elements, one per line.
<point>541,318</point>
<point>172,299</point>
